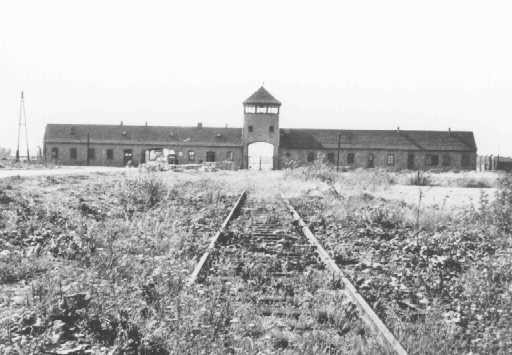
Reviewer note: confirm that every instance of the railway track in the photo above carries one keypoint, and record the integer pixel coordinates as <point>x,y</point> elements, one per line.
<point>270,260</point>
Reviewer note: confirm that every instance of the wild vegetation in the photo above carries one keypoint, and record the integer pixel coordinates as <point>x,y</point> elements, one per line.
<point>441,281</point>
<point>97,263</point>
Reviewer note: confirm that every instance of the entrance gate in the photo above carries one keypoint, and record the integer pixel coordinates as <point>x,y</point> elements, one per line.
<point>260,156</point>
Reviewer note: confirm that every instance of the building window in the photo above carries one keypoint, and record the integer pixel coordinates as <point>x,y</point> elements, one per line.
<point>191,155</point>
<point>229,156</point>
<point>250,128</point>
<point>391,159</point>
<point>288,154</point>
<point>311,157</point>
<point>261,109</point>
<point>446,160</point>
<point>127,157</point>
<point>72,153</point>
<point>330,158</point>
<point>271,129</point>
<point>273,110</point>
<point>465,160</point>
<point>110,154</point>
<point>371,159</point>
<point>91,153</point>
<point>210,156</point>
<point>250,109</point>
<point>350,158</point>
<point>432,160</point>
<point>410,161</point>
<point>55,153</point>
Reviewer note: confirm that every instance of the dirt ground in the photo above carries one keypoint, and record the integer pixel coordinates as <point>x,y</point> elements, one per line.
<point>271,183</point>
<point>69,170</point>
<point>444,197</point>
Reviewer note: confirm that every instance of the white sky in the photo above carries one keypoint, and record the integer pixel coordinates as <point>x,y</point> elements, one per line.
<point>340,64</point>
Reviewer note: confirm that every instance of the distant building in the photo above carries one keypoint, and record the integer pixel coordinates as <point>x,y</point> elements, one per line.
<point>260,144</point>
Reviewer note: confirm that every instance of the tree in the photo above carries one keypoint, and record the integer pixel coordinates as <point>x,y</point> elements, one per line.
<point>5,153</point>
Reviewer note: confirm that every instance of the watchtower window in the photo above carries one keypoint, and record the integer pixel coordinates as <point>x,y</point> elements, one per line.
<point>273,110</point>
<point>250,128</point>
<point>271,129</point>
<point>250,109</point>
<point>261,109</point>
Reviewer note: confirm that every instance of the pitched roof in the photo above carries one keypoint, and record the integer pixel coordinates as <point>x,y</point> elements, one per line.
<point>377,139</point>
<point>262,96</point>
<point>123,134</point>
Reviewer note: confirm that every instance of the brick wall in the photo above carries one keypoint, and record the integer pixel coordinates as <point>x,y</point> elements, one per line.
<point>453,160</point>
<point>64,156</point>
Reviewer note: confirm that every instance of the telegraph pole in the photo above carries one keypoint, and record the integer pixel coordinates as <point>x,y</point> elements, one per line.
<point>88,144</point>
<point>339,147</point>
<point>22,124</point>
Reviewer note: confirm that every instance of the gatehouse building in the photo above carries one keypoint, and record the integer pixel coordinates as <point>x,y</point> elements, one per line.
<point>260,144</point>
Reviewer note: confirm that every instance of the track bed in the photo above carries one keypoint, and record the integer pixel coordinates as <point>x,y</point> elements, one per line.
<point>273,273</point>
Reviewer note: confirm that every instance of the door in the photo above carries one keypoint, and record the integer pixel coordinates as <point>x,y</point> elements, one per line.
<point>371,159</point>
<point>210,156</point>
<point>127,157</point>
<point>410,161</point>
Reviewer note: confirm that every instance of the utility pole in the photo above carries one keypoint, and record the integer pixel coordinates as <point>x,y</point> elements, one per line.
<point>88,144</point>
<point>22,123</point>
<point>339,147</point>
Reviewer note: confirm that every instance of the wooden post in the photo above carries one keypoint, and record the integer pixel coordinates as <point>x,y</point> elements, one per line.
<point>88,144</point>
<point>339,147</point>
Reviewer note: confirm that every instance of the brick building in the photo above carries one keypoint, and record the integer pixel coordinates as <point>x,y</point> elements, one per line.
<point>260,143</point>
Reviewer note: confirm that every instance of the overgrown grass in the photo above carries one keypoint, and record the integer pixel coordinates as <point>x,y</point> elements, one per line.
<point>108,256</point>
<point>371,179</point>
<point>438,280</point>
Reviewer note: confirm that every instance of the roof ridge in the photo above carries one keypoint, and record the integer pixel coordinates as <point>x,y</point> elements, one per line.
<point>136,126</point>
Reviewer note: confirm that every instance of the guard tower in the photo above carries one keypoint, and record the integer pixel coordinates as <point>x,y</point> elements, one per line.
<point>260,136</point>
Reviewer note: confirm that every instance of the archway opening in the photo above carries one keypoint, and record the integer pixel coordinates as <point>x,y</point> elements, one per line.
<point>261,156</point>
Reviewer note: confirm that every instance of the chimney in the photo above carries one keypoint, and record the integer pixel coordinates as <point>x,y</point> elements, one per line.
<point>121,123</point>
<point>199,125</point>
<point>398,129</point>
<point>449,131</point>
<point>146,123</point>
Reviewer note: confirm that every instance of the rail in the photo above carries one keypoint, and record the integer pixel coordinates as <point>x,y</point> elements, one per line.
<point>202,262</point>
<point>367,313</point>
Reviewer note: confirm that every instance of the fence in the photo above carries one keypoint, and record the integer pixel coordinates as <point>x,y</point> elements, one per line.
<point>493,163</point>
